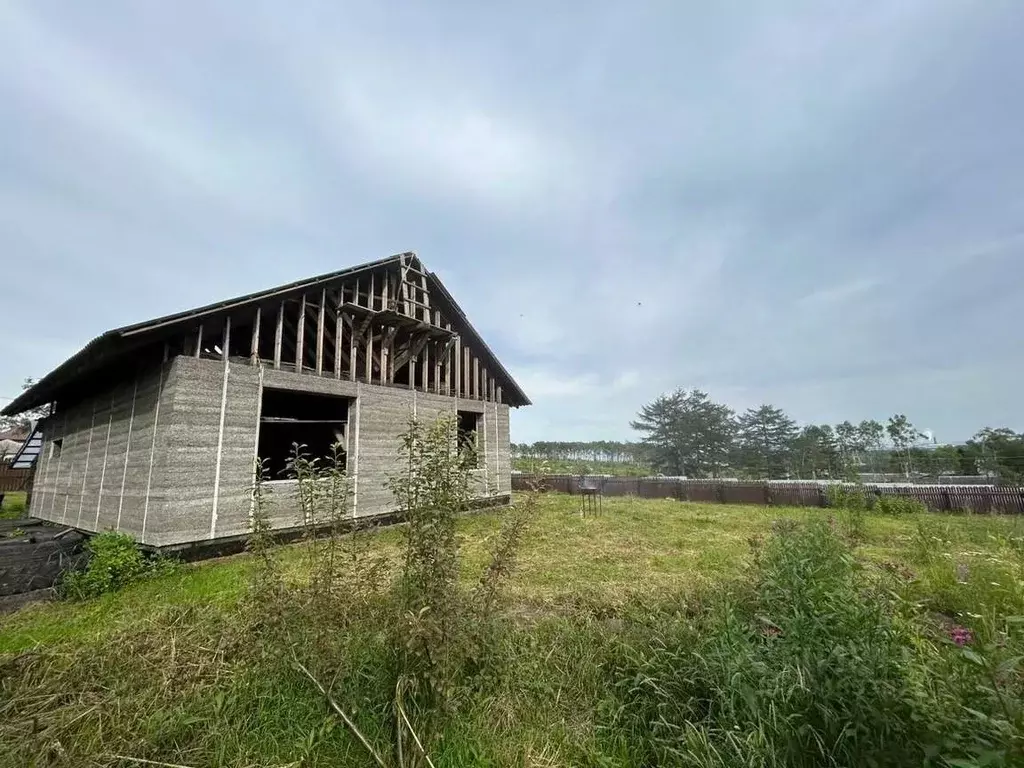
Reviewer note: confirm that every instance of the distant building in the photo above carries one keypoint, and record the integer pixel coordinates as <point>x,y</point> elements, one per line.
<point>9,449</point>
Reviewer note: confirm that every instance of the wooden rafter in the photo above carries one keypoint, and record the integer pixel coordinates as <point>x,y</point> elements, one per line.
<point>412,351</point>
<point>369,327</point>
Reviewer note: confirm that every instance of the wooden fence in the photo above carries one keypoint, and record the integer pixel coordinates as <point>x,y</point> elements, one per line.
<point>15,479</point>
<point>939,498</point>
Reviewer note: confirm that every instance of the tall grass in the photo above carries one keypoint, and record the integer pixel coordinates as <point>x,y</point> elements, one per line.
<point>815,662</point>
<point>14,505</point>
<point>819,645</point>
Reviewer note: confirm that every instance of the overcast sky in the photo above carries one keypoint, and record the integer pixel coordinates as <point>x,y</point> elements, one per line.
<point>818,205</point>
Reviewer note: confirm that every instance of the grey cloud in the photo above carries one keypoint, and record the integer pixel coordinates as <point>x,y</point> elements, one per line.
<point>821,208</point>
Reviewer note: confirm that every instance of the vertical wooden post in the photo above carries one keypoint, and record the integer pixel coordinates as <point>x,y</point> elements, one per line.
<point>320,333</point>
<point>371,299</point>
<point>458,366</point>
<point>498,397</point>
<point>476,377</point>
<point>352,353</point>
<point>226,340</point>
<point>300,336</point>
<point>369,355</point>
<point>254,350</point>
<point>449,366</point>
<point>339,328</point>
<point>425,368</point>
<point>437,370</point>
<point>401,291</point>
<point>278,335</point>
<point>424,299</point>
<point>199,340</point>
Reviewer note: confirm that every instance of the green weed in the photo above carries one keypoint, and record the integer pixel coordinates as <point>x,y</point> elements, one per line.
<point>114,561</point>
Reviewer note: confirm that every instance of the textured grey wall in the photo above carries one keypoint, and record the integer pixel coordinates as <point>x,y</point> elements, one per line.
<point>172,452</point>
<point>103,475</point>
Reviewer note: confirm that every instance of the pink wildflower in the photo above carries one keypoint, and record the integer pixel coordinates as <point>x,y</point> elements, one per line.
<point>961,635</point>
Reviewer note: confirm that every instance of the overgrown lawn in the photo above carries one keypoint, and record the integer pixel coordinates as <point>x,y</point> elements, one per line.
<point>723,621</point>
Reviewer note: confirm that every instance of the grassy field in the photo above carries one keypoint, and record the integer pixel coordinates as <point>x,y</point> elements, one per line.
<point>159,671</point>
<point>13,506</point>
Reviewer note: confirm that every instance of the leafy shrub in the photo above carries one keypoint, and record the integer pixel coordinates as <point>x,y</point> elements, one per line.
<point>899,505</point>
<point>407,642</point>
<point>859,499</point>
<point>854,498</point>
<point>853,503</point>
<point>114,561</point>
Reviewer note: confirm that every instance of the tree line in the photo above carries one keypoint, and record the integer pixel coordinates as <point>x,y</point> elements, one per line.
<point>687,433</point>
<point>594,451</point>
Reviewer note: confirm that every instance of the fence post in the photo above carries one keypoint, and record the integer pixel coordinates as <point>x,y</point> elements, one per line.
<point>947,502</point>
<point>720,493</point>
<point>767,494</point>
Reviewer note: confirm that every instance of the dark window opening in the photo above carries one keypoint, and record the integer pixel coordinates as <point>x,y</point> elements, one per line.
<point>268,333</point>
<point>469,451</point>
<point>240,342</point>
<point>313,422</point>
<point>421,372</point>
<point>56,447</point>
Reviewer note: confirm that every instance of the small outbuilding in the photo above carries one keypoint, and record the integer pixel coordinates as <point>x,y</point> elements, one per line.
<point>154,427</point>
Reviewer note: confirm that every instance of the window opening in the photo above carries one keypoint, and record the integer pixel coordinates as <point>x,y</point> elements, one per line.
<point>314,421</point>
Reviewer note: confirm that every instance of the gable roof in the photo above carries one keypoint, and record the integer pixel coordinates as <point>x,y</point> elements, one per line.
<point>115,344</point>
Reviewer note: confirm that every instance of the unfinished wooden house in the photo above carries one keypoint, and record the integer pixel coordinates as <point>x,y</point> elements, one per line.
<point>154,427</point>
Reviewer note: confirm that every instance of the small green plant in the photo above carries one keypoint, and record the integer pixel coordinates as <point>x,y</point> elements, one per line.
<point>114,561</point>
<point>899,505</point>
<point>849,497</point>
<point>852,504</point>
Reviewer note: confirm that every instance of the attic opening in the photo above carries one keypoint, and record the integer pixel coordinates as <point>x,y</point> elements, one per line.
<point>309,423</point>
<point>468,439</point>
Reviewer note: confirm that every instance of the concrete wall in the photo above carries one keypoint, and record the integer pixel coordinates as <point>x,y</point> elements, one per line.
<point>209,444</point>
<point>168,456</point>
<point>103,475</point>
<point>383,414</point>
<point>211,435</point>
